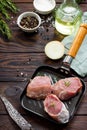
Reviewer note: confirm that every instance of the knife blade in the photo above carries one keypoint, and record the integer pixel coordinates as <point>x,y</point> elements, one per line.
<point>15,115</point>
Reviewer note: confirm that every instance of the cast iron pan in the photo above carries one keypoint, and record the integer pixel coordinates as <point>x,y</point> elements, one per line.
<point>36,106</point>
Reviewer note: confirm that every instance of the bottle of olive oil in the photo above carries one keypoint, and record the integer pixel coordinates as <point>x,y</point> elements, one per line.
<point>68,17</point>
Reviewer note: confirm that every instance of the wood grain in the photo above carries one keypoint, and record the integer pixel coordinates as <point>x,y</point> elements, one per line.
<point>20,57</point>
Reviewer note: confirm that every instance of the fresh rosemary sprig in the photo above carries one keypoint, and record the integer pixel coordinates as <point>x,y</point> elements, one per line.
<point>4,12</point>
<point>6,6</point>
<point>4,28</point>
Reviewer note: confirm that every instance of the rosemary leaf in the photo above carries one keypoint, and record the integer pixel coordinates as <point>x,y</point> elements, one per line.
<point>67,83</point>
<point>4,29</point>
<point>10,5</point>
<point>4,12</point>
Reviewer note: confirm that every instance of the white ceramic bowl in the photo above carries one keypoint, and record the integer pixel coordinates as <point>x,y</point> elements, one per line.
<point>44,6</point>
<point>25,14</point>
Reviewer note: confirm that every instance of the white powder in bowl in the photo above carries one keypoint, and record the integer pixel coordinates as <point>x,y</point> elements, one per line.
<point>44,5</point>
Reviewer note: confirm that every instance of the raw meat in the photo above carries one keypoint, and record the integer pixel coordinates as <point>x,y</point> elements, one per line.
<point>56,109</point>
<point>67,88</point>
<point>39,87</point>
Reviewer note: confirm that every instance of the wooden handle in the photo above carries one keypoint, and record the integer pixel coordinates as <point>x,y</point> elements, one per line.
<point>78,40</point>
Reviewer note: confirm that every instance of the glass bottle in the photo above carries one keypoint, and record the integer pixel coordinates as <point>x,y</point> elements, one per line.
<point>68,17</point>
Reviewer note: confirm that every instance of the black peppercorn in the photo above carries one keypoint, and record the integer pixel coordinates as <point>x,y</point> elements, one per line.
<point>29,22</point>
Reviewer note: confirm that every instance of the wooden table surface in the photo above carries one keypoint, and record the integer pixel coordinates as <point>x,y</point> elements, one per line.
<point>19,58</point>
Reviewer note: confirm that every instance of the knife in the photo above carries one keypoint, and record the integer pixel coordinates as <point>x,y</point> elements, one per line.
<point>15,115</point>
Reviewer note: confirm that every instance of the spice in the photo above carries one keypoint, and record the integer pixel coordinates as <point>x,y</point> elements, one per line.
<point>52,104</point>
<point>67,83</point>
<point>29,22</point>
<point>44,5</point>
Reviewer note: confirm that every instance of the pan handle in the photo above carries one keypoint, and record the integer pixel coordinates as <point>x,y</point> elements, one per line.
<point>78,40</point>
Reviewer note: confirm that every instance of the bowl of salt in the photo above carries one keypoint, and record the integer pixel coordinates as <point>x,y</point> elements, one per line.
<point>44,6</point>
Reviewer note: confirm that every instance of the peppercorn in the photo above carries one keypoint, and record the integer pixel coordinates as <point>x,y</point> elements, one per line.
<point>29,22</point>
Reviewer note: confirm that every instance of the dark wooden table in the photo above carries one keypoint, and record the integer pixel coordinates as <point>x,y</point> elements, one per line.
<point>19,58</point>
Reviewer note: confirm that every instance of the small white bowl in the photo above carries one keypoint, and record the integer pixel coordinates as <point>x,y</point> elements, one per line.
<point>44,6</point>
<point>25,14</point>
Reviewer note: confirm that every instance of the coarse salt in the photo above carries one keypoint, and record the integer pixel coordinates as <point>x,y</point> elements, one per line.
<point>44,5</point>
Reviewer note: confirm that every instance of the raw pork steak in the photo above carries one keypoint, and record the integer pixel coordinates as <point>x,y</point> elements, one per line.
<point>67,88</point>
<point>56,109</point>
<point>39,87</point>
